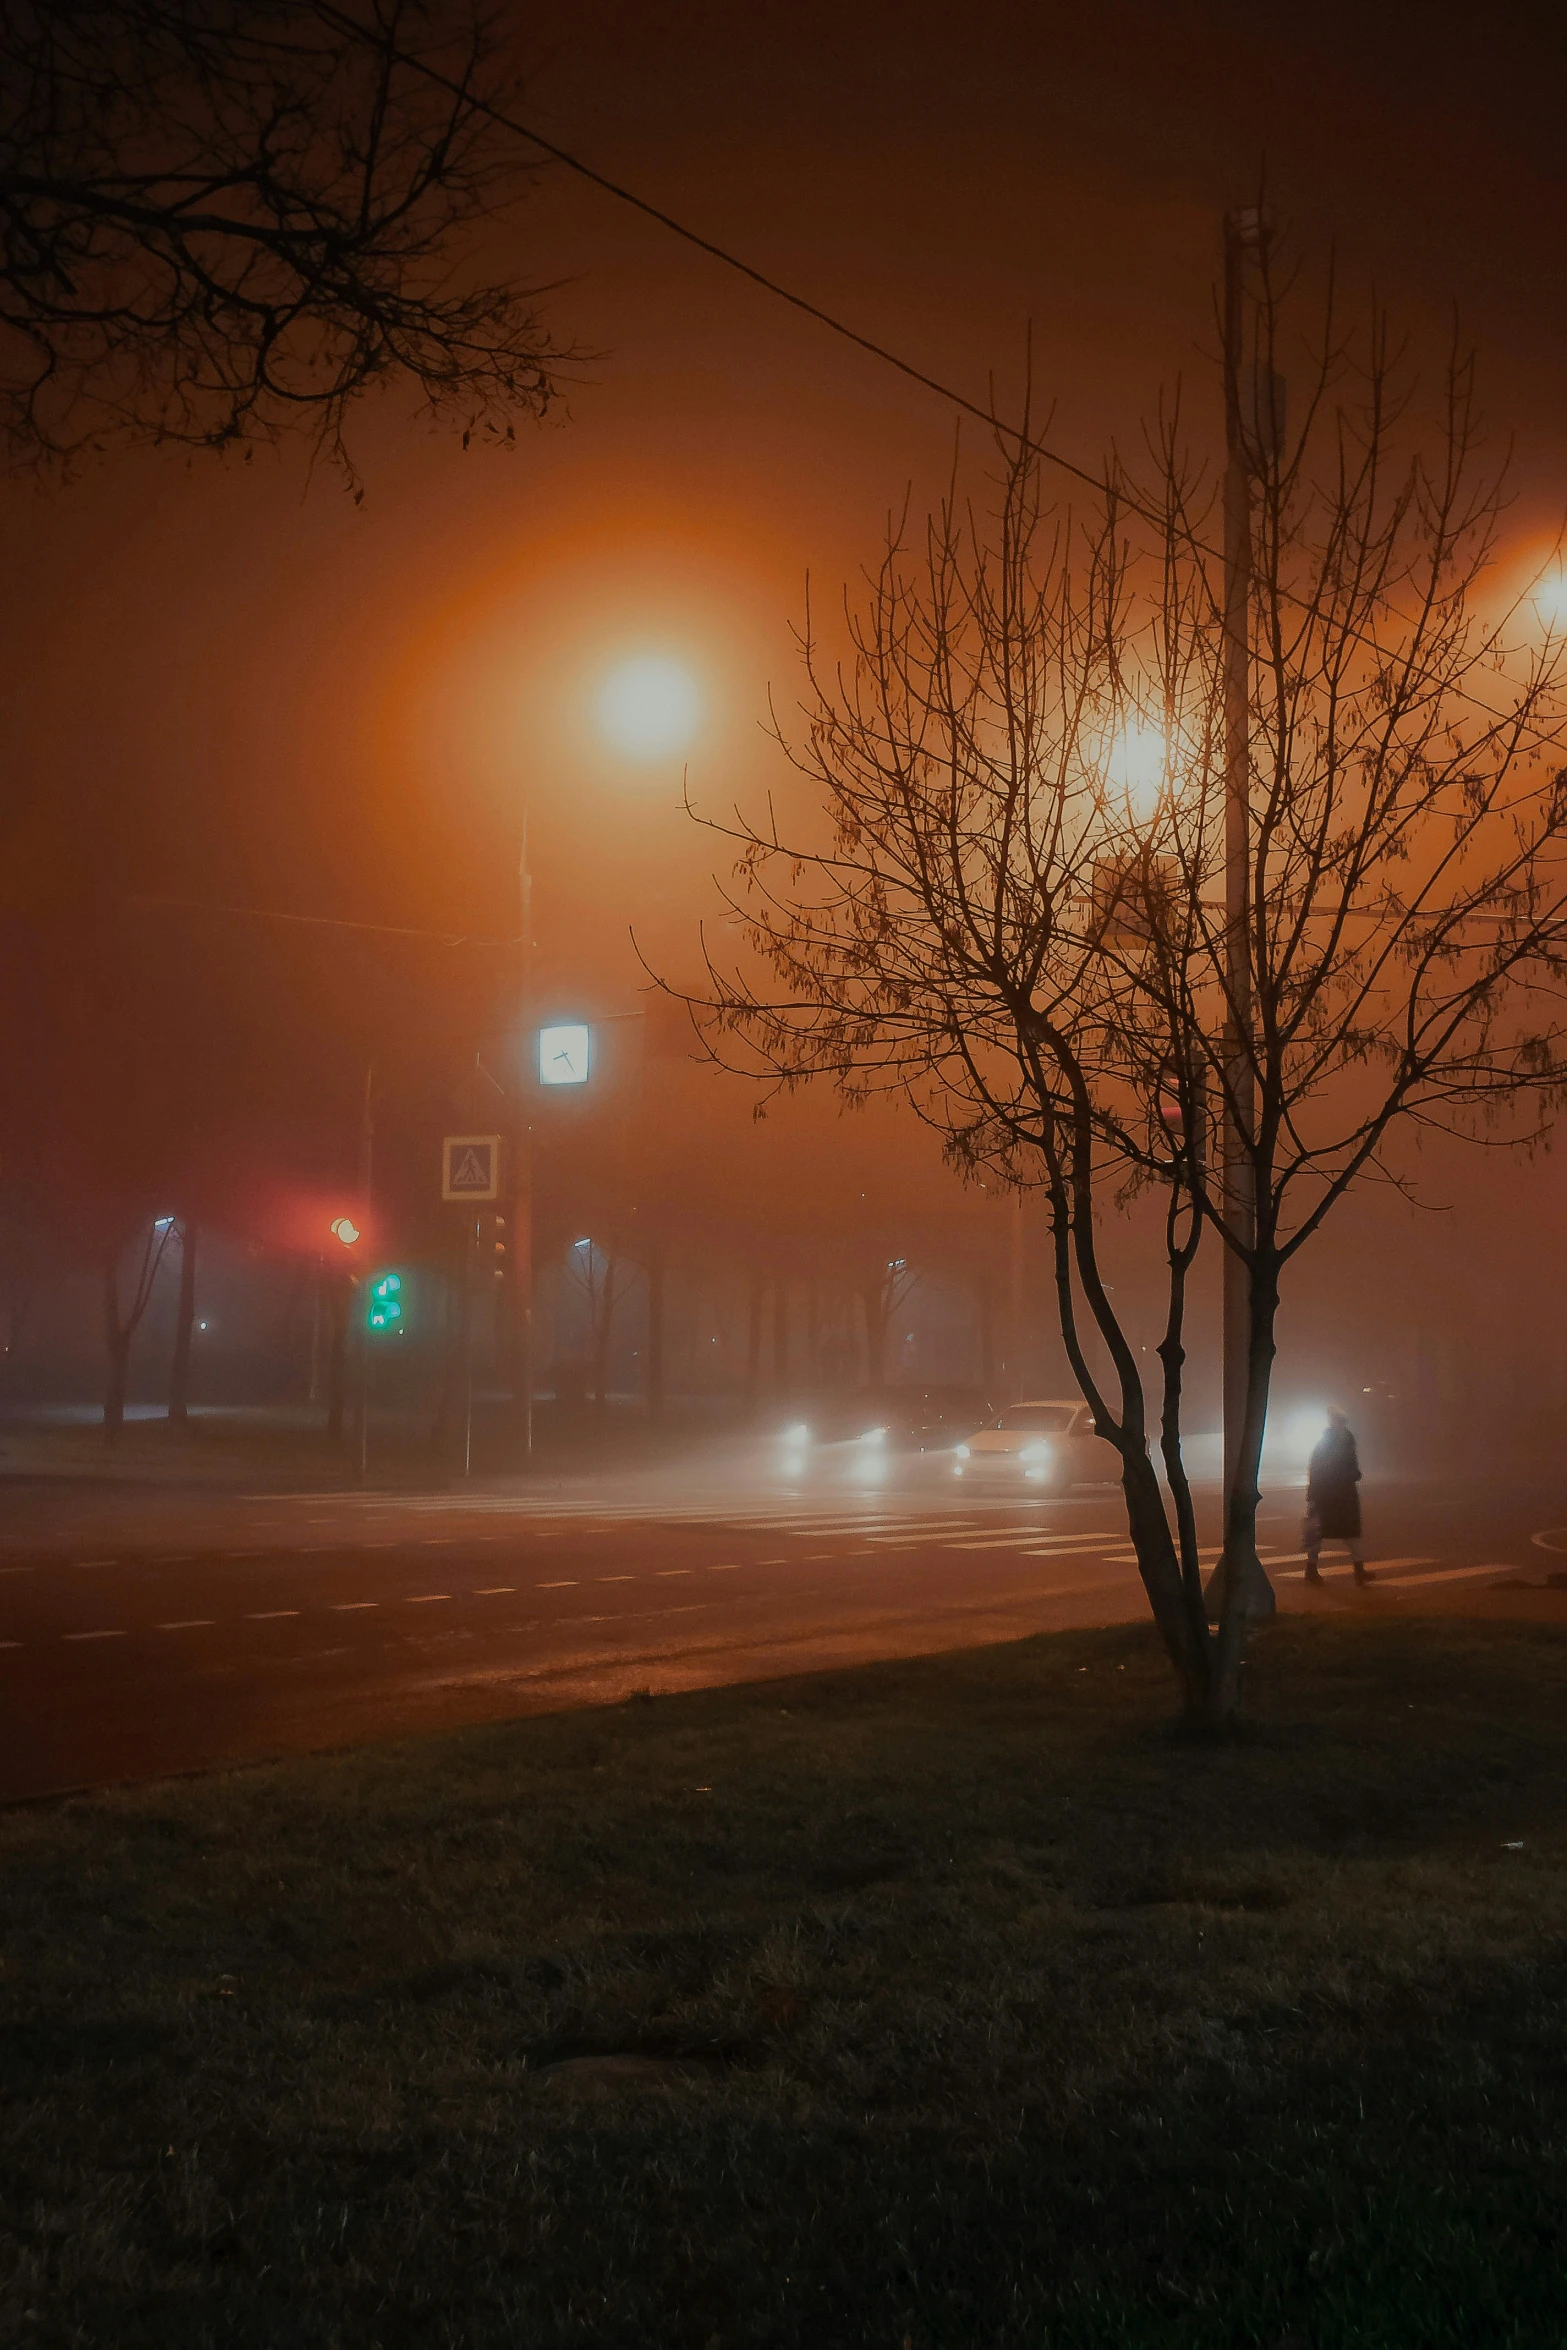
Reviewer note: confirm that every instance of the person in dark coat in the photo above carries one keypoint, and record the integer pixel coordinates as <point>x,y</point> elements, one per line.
<point>1333,1498</point>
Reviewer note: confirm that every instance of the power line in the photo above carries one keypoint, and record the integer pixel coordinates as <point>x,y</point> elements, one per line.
<point>849,334</point>
<point>445,938</point>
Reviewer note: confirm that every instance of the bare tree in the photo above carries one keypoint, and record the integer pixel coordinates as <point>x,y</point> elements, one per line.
<point>221,221</point>
<point>1398,954</point>
<point>1017,917</point>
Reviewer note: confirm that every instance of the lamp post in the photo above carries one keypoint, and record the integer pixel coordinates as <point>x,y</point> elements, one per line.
<point>1244,235</point>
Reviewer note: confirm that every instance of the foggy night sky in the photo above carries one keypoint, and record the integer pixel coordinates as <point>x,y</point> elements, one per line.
<point>258,693</point>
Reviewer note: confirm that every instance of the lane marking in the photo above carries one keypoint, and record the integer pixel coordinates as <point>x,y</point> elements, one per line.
<point>733,1569</point>
<point>15,1570</point>
<point>349,1607</point>
<point>270,1615</point>
<point>1544,1541</point>
<point>1065,1550</point>
<point>495,1591</point>
<point>97,1562</point>
<point>10,1644</point>
<point>1450,1574</point>
<point>191,1624</point>
<point>614,1578</point>
<point>92,1635</point>
<point>1375,1567</point>
<point>424,1598</point>
<point>173,1558</point>
<point>664,1573</point>
<point>570,1584</point>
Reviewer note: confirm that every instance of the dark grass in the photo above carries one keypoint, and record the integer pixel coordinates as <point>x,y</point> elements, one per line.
<point>975,2007</point>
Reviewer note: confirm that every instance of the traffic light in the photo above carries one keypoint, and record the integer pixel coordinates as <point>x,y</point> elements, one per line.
<point>499,1240</point>
<point>384,1302</point>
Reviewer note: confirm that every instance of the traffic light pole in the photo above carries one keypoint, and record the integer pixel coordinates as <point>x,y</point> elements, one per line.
<point>522,1178</point>
<point>366,1177</point>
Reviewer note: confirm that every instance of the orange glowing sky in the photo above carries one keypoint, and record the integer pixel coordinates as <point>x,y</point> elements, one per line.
<point>256,692</point>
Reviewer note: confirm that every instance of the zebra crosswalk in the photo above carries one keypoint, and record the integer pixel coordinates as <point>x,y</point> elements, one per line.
<point>876,1527</point>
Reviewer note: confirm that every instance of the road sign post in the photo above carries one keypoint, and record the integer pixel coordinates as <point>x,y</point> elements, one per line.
<point>470,1177</point>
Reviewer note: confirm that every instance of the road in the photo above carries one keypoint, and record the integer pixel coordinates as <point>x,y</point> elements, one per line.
<point>150,1633</point>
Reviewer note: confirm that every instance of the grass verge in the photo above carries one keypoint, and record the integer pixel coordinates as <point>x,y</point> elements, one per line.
<point>950,2003</point>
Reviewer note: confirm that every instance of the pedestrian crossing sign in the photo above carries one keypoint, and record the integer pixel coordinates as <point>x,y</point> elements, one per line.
<point>471,1167</point>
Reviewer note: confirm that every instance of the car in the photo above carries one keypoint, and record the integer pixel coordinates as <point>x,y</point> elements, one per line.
<point>887,1419</point>
<point>1048,1443</point>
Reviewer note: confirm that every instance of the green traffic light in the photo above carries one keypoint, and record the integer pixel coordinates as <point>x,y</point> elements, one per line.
<point>384,1308</point>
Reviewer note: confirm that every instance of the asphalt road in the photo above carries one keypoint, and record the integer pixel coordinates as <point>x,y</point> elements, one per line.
<point>148,1633</point>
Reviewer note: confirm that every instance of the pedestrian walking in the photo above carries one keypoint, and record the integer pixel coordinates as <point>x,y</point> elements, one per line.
<point>1333,1498</point>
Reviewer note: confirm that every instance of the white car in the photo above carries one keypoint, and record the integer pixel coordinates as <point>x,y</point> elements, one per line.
<point>1048,1444</point>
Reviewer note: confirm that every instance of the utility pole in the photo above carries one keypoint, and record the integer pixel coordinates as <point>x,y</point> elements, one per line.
<point>366,1178</point>
<point>1244,232</point>
<point>522,1174</point>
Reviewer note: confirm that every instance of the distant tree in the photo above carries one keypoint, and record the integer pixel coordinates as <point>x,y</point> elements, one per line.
<point>222,221</point>
<point>1017,918</point>
<point>123,1307</point>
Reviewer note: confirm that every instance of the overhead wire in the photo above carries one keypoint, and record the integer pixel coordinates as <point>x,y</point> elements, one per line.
<point>835,325</point>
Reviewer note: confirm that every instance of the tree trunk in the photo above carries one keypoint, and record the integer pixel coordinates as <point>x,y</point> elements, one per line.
<point>1185,1639</point>
<point>753,1346</point>
<point>117,1343</point>
<point>179,1374</point>
<point>338,1293</point>
<point>655,1337</point>
<point>1242,1578</point>
<point>603,1325</point>
<point>878,1311</point>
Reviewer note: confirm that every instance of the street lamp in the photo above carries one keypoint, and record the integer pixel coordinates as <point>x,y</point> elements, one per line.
<point>649,707</point>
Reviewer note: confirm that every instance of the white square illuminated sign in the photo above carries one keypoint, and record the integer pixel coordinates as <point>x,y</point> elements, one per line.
<point>563,1056</point>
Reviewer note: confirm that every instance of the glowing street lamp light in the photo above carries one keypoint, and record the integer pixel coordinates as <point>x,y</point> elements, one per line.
<point>1550,600</point>
<point>650,707</point>
<point>565,1054</point>
<point>344,1228</point>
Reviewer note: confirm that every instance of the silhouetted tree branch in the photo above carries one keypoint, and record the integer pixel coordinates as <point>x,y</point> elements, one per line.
<point>219,221</point>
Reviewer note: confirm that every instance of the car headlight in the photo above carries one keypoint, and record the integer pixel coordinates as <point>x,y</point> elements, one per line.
<point>874,1436</point>
<point>1037,1452</point>
<point>798,1434</point>
<point>962,1452</point>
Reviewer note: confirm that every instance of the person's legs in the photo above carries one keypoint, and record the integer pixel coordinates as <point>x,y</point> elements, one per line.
<point>1357,1559</point>
<point>1311,1543</point>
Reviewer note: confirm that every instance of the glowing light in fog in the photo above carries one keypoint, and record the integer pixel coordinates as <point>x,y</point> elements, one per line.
<point>1135,766</point>
<point>1550,599</point>
<point>649,707</point>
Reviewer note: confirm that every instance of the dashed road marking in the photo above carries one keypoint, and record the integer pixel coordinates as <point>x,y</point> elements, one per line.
<point>665,1572</point>
<point>1449,1574</point>
<point>495,1591</point>
<point>117,1635</point>
<point>425,1598</point>
<point>351,1607</point>
<point>270,1615</point>
<point>570,1584</point>
<point>190,1624</point>
<point>15,1570</point>
<point>97,1562</point>
<point>614,1578</point>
